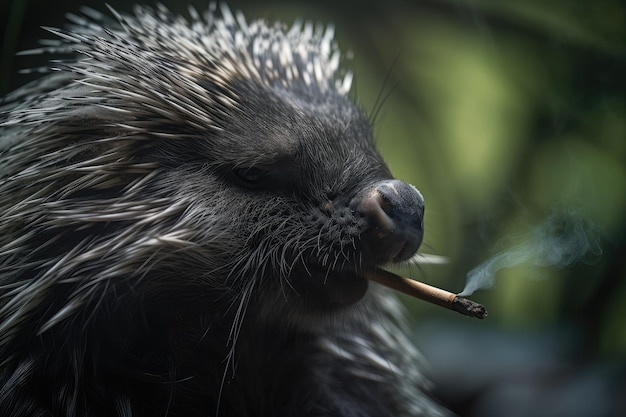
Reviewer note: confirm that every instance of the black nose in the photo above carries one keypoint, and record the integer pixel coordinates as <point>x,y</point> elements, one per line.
<point>394,220</point>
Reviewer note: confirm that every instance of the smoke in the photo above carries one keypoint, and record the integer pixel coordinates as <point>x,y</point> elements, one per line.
<point>562,239</point>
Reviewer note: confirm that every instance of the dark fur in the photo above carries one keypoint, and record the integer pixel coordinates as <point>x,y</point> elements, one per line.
<point>171,254</point>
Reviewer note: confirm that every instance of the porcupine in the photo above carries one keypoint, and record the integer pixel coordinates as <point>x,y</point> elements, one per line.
<point>186,206</point>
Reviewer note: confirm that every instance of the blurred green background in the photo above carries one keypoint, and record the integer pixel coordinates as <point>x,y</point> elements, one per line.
<point>500,113</point>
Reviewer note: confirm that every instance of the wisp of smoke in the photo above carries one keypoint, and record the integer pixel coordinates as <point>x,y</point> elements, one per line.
<point>562,239</point>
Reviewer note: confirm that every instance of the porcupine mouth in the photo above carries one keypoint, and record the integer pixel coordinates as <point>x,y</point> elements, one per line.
<point>331,289</point>
<point>336,289</point>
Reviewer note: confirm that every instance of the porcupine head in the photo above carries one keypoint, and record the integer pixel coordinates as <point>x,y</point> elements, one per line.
<point>187,207</point>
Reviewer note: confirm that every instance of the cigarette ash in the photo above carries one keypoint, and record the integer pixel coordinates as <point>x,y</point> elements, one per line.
<point>564,238</point>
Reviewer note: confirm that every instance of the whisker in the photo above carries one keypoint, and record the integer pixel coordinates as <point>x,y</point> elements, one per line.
<point>427,259</point>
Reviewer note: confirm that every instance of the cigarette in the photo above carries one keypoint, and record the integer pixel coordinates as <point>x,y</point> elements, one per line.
<point>427,292</point>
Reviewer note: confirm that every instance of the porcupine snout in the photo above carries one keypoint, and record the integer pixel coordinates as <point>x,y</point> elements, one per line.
<point>394,215</point>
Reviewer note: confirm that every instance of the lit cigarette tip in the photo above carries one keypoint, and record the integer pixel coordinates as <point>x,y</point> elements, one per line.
<point>469,308</point>
<point>427,292</point>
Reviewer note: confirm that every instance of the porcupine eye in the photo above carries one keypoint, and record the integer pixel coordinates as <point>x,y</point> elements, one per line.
<point>251,177</point>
